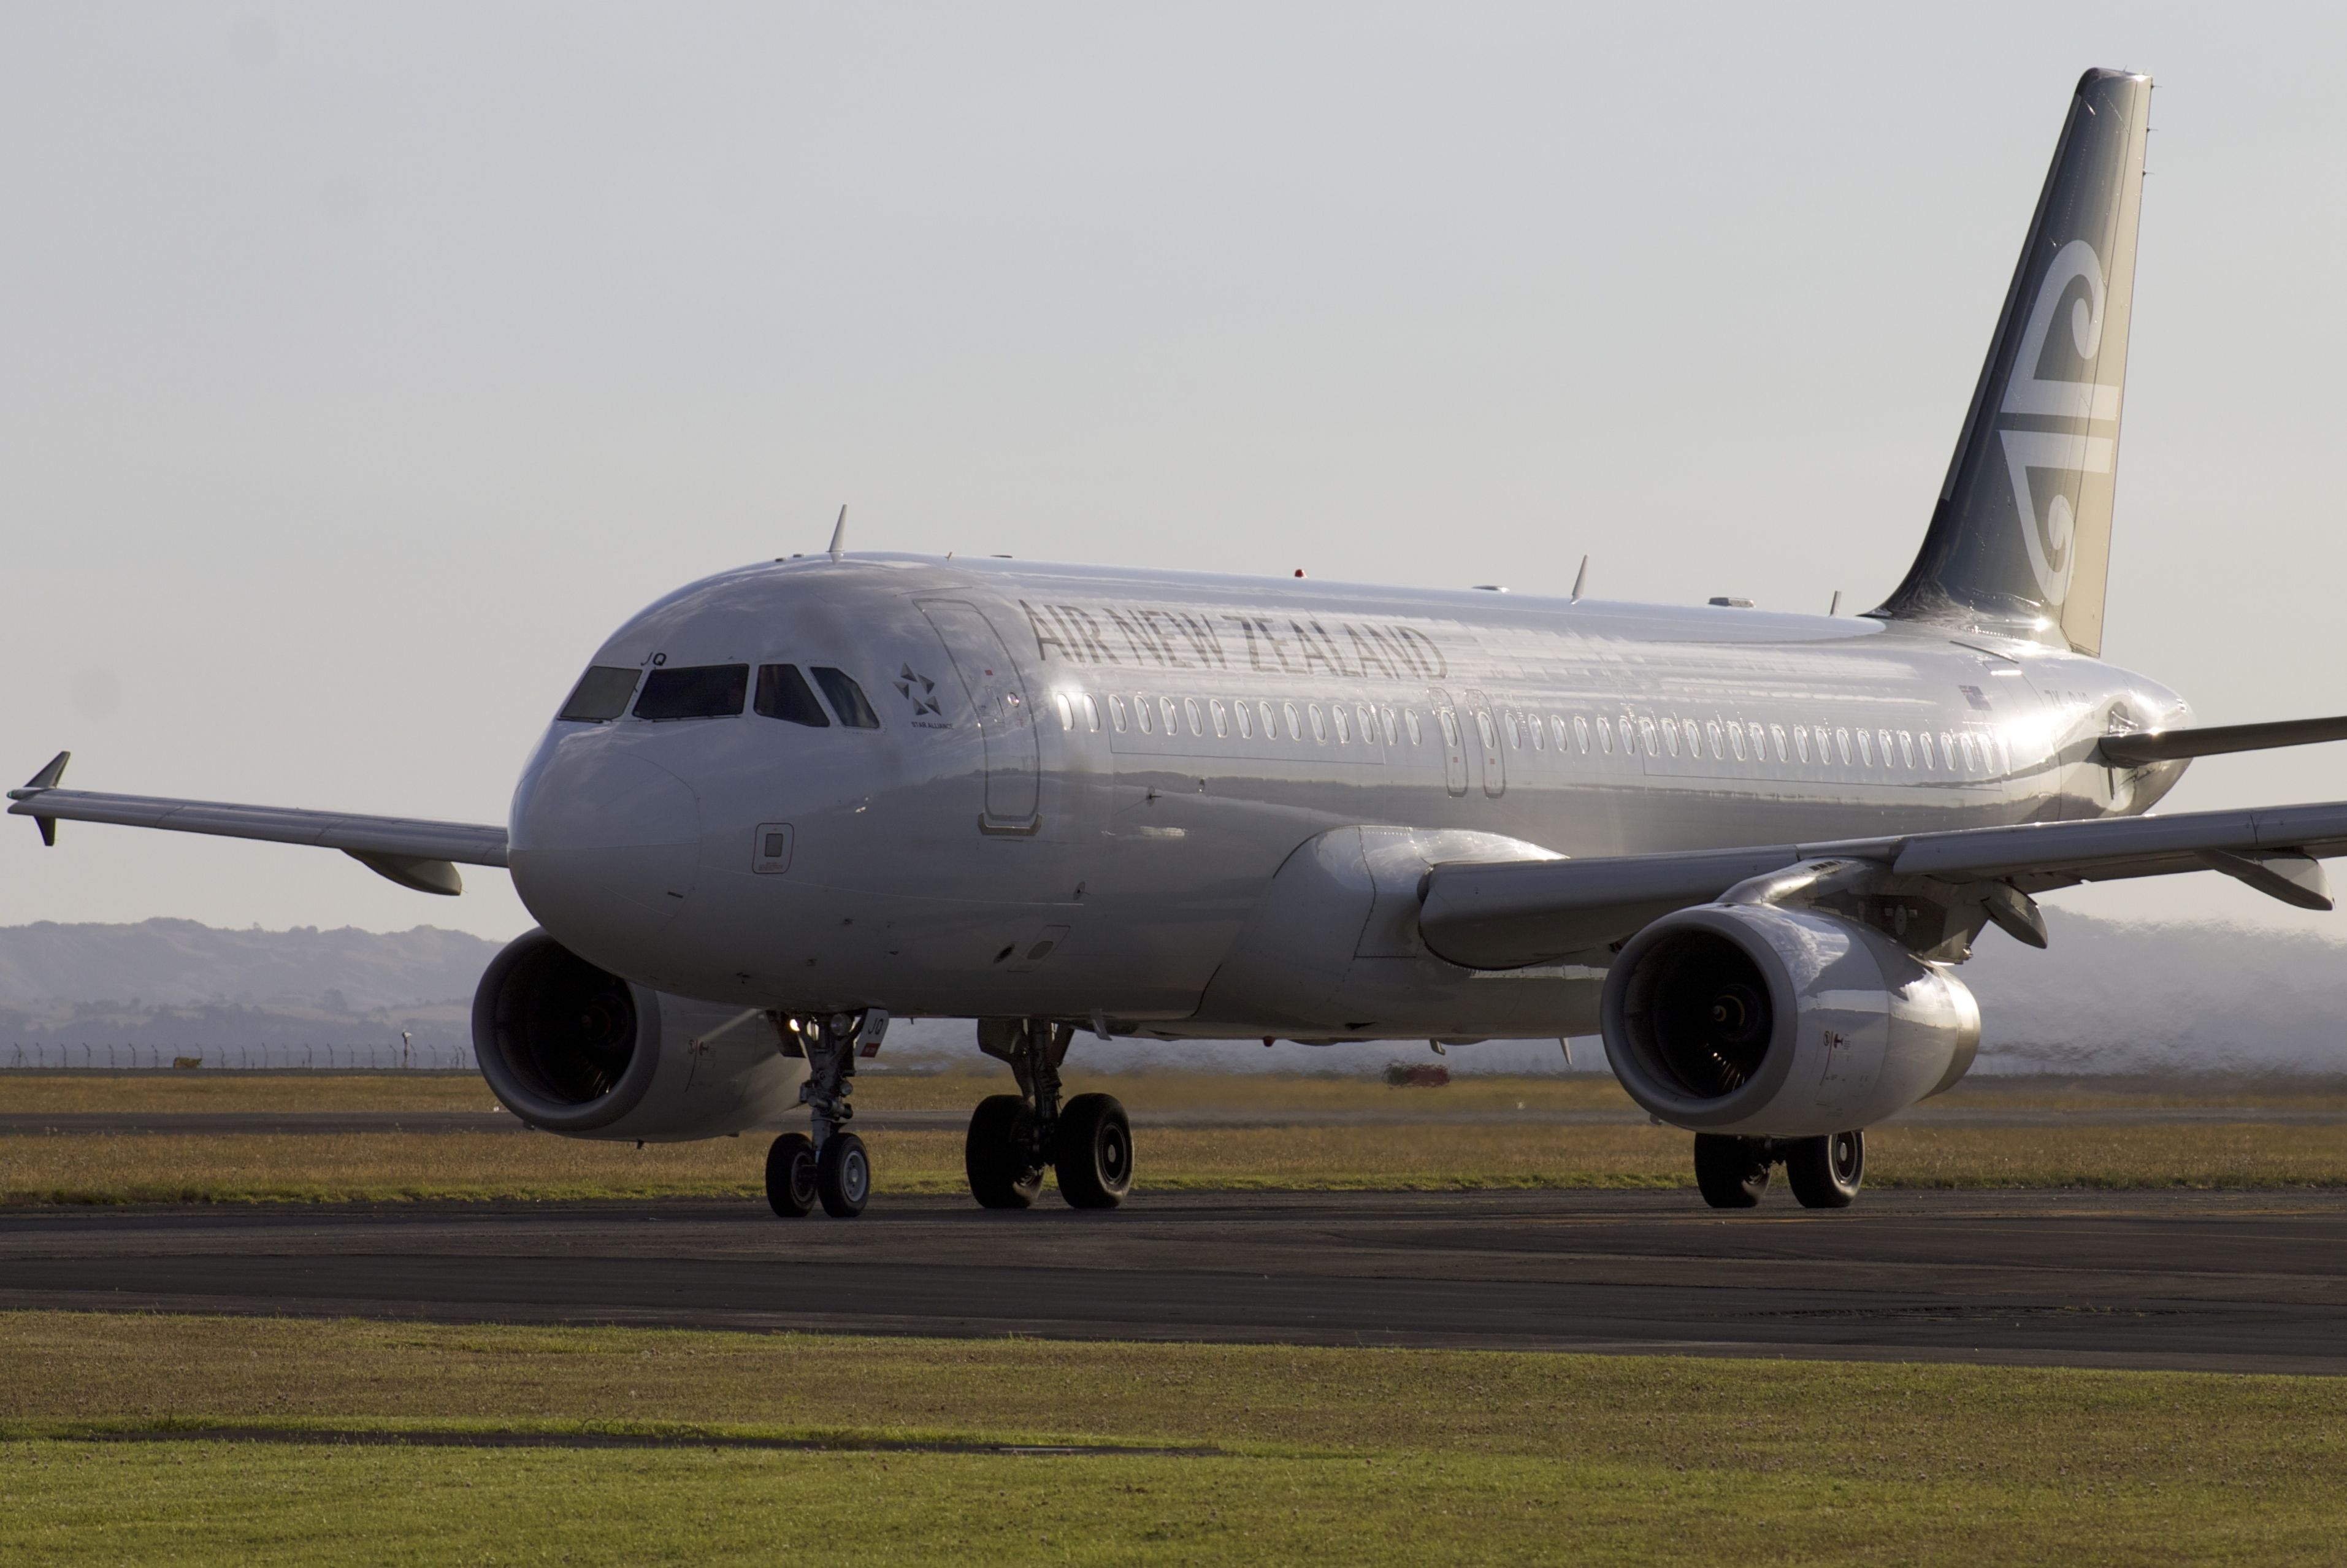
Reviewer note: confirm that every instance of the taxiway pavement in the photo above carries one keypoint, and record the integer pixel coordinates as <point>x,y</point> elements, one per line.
<point>2217,1281</point>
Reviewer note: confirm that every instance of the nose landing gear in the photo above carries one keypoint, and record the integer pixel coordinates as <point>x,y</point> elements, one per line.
<point>832,1168</point>
<point>1087,1142</point>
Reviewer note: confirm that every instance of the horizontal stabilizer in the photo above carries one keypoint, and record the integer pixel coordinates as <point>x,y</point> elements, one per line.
<point>2216,740</point>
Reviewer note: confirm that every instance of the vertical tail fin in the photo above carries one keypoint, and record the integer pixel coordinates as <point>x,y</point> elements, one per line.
<point>2021,538</point>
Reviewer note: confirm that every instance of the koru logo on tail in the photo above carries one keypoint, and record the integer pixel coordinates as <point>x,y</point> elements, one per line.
<point>2072,454</point>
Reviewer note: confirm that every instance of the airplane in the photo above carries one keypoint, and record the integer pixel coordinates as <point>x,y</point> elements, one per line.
<point>788,803</point>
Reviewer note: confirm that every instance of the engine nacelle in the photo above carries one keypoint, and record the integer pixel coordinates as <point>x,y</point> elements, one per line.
<point>578,1050</point>
<point>1782,1023</point>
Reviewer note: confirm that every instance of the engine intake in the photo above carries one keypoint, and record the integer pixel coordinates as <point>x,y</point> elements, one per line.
<point>574,1049</point>
<point>1788,1023</point>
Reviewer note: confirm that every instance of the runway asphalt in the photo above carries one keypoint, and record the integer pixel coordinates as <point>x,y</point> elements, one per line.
<point>2230,1281</point>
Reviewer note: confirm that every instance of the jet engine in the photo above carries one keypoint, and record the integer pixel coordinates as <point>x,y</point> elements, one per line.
<point>1752,1019</point>
<point>575,1049</point>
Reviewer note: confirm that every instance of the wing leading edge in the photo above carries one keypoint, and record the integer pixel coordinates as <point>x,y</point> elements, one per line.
<point>1511,914</point>
<point>414,853</point>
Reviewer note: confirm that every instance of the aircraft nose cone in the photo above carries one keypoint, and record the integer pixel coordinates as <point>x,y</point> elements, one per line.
<point>605,848</point>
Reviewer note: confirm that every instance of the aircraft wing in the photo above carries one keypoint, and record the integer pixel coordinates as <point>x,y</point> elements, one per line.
<point>414,853</point>
<point>1508,914</point>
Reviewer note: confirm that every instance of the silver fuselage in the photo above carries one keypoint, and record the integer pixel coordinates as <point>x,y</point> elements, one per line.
<point>1063,858</point>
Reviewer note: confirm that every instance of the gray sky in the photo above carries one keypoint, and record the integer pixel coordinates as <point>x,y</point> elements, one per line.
<point>362,366</point>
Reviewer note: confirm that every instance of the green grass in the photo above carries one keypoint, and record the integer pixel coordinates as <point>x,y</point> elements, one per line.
<point>1327,1455</point>
<point>1491,1154</point>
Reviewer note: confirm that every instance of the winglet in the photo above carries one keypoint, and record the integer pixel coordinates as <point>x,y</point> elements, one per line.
<point>46,779</point>
<point>840,534</point>
<point>1581,579</point>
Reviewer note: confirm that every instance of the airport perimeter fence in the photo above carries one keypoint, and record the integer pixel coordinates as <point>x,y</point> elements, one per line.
<point>86,1057</point>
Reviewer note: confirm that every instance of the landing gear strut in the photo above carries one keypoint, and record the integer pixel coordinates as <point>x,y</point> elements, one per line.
<point>1824,1173</point>
<point>1087,1142</point>
<point>831,1168</point>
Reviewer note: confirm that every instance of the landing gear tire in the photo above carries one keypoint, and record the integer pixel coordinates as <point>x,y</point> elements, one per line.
<point>1824,1173</point>
<point>999,1156</point>
<point>790,1175</point>
<point>1094,1158</point>
<point>1731,1172</point>
<point>843,1175</point>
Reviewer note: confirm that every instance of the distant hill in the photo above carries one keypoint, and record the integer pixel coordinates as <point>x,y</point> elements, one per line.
<point>180,962</point>
<point>2109,996</point>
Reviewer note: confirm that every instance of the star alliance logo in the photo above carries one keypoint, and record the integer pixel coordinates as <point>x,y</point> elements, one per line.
<point>920,692</point>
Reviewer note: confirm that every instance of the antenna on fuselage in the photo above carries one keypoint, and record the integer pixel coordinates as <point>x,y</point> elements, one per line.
<point>1835,608</point>
<point>839,533</point>
<point>1581,579</point>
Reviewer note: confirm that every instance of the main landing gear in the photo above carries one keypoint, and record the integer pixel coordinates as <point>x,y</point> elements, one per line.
<point>1824,1173</point>
<point>1087,1143</point>
<point>831,1168</point>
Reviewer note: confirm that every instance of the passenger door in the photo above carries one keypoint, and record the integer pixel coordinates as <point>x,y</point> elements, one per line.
<point>1006,719</point>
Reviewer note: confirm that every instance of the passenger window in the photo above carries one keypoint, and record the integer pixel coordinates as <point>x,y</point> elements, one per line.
<point>1843,736</point>
<point>1947,751</point>
<point>1972,758</point>
<point>1091,714</point>
<point>1147,712</point>
<point>1671,735</point>
<point>1245,716</point>
<point>600,696</point>
<point>1865,748</point>
<point>1393,736</point>
<point>1294,730</point>
<point>1735,738</point>
<point>1270,723</point>
<point>784,693</point>
<point>1319,727</point>
<point>1166,707</point>
<point>1189,710</point>
<point>1825,745</point>
<point>1368,718</point>
<point>1801,741</point>
<point>1067,710</point>
<point>1222,717</point>
<point>1882,739</point>
<point>1928,761</point>
<point>1760,743</point>
<point>1711,729</point>
<point>1515,734</point>
<point>1581,734</point>
<point>1776,734</point>
<point>1483,730</point>
<point>1606,734</point>
<point>1344,728</point>
<point>1449,728</point>
<point>846,697</point>
<point>1906,747</point>
<point>1116,712</point>
<point>1409,717</point>
<point>694,692</point>
<point>1647,728</point>
<point>1539,728</point>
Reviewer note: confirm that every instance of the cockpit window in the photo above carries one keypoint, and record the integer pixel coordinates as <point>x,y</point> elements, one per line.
<point>847,698</point>
<point>784,693</point>
<point>600,696</point>
<point>694,692</point>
